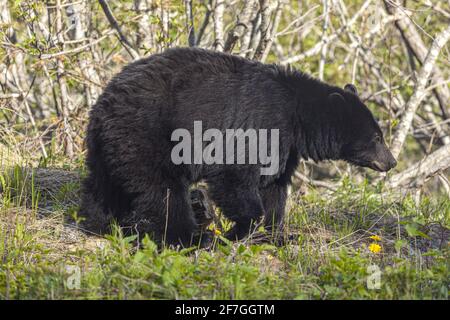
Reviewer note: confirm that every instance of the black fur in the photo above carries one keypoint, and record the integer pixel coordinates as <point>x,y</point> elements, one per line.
<point>133,180</point>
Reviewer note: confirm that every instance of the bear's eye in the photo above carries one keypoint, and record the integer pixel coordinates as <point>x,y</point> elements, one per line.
<point>377,139</point>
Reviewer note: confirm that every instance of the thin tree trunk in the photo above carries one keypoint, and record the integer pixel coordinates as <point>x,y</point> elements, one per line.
<point>64,94</point>
<point>273,31</point>
<point>190,23</point>
<point>76,12</point>
<point>323,51</point>
<point>219,9</point>
<point>144,35</point>
<point>265,10</point>
<point>165,21</point>
<point>242,26</point>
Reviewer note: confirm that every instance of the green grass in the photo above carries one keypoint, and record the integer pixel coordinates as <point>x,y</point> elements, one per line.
<point>328,257</point>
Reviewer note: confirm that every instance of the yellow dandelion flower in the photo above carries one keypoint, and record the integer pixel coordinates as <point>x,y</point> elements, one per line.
<point>375,247</point>
<point>217,232</point>
<point>375,238</point>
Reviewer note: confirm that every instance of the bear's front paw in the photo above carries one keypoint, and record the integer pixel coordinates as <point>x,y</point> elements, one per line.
<point>202,207</point>
<point>240,231</point>
<point>203,240</point>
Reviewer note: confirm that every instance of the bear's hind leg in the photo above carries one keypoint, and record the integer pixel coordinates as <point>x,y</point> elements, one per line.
<point>102,201</point>
<point>166,214</point>
<point>95,217</point>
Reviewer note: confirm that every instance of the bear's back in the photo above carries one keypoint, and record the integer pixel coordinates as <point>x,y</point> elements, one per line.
<point>158,76</point>
<point>161,69</point>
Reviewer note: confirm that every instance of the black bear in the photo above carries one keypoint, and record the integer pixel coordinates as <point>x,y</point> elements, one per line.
<point>133,178</point>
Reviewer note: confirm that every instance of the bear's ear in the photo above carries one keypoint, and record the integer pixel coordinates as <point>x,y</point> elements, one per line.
<point>336,98</point>
<point>351,88</point>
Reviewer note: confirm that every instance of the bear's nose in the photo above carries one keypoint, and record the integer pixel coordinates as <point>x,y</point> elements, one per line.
<point>392,163</point>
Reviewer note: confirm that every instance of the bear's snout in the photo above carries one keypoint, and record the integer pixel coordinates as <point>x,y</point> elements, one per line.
<point>392,163</point>
<point>383,166</point>
<point>385,160</point>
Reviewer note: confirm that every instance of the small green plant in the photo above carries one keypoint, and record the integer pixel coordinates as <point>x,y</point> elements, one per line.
<point>335,242</point>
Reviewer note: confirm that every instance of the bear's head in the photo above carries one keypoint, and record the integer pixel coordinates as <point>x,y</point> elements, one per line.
<point>364,144</point>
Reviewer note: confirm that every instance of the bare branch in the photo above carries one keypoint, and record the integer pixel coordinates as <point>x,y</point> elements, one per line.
<point>10,96</point>
<point>315,183</point>
<point>419,92</point>
<point>432,164</point>
<point>113,22</point>
<point>414,41</point>
<point>316,49</point>
<point>77,49</point>
<point>205,22</point>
